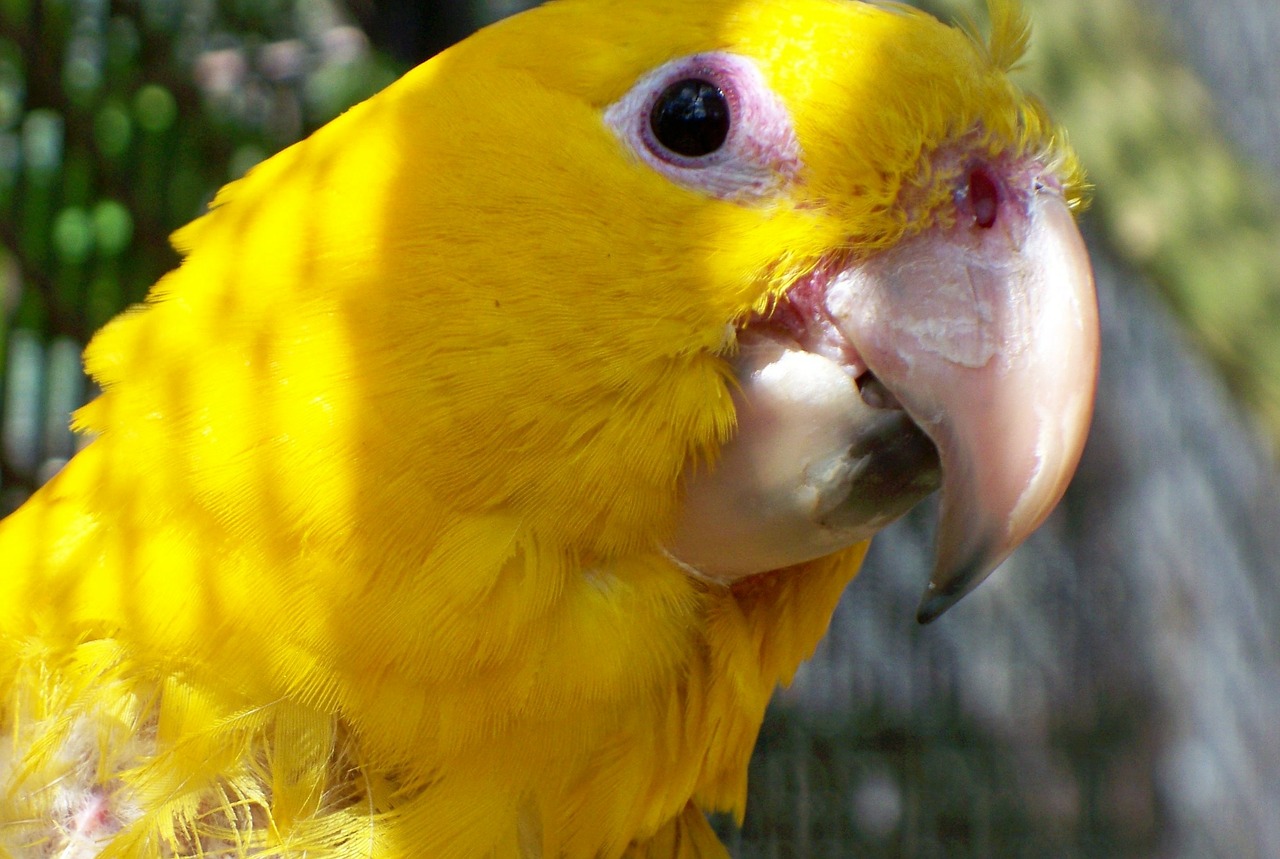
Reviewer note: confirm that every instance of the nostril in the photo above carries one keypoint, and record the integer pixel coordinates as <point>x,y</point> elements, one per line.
<point>984,197</point>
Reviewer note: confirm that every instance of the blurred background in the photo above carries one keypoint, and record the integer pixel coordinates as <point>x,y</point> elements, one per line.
<point>1113,691</point>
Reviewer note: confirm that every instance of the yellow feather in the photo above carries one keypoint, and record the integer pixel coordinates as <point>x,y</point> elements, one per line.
<point>365,560</point>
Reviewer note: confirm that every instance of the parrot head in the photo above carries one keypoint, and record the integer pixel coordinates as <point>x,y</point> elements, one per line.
<point>925,313</point>
<point>736,283</point>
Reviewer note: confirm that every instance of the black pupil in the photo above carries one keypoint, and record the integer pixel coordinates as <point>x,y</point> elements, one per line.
<point>691,118</point>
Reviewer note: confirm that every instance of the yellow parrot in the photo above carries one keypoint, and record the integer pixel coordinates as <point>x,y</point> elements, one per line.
<point>496,451</point>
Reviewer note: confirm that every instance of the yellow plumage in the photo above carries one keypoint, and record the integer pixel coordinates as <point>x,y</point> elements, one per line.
<point>366,557</point>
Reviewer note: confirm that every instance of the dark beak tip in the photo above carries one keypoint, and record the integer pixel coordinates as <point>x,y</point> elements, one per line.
<point>933,606</point>
<point>949,584</point>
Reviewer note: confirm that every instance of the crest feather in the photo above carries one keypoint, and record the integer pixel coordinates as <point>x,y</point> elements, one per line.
<point>1010,32</point>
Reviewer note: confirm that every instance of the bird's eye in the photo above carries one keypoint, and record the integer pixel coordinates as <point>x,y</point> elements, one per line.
<point>691,118</point>
<point>711,123</point>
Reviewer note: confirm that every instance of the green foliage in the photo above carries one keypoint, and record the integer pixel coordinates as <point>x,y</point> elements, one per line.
<point>118,122</point>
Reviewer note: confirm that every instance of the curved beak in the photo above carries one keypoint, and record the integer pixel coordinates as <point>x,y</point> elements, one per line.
<point>988,337</point>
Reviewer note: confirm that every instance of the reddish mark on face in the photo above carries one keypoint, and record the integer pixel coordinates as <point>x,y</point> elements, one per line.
<point>94,817</point>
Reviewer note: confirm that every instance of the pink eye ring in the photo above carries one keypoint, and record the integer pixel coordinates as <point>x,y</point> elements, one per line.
<point>710,123</point>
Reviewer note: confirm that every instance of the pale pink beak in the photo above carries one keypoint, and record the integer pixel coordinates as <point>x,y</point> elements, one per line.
<point>986,332</point>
